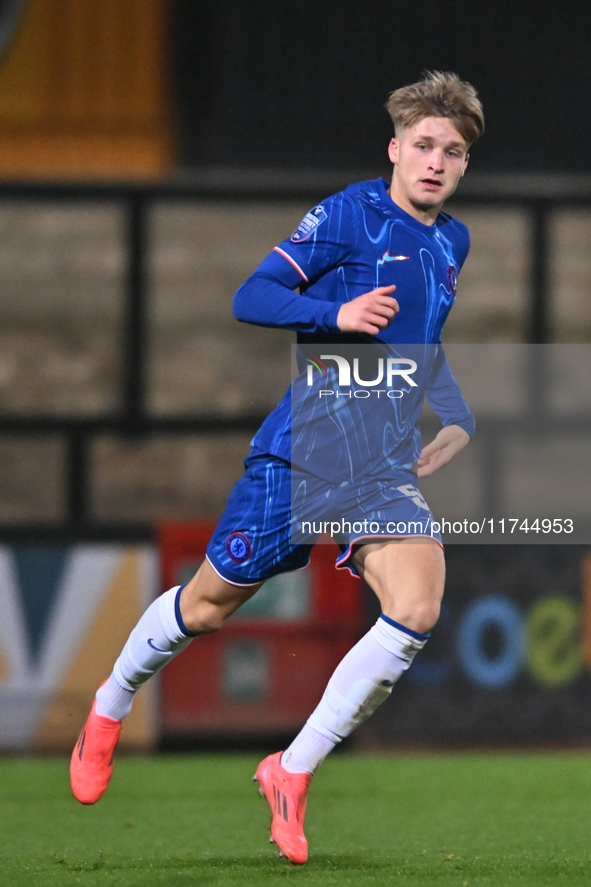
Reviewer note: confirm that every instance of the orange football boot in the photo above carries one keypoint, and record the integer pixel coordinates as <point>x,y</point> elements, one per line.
<point>286,794</point>
<point>91,765</point>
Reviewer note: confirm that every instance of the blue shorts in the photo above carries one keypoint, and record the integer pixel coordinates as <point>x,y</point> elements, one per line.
<point>276,513</point>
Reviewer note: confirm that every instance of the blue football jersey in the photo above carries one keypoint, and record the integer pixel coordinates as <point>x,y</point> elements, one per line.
<point>349,244</point>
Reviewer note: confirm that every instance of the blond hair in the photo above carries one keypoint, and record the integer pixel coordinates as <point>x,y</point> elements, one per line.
<point>438,94</point>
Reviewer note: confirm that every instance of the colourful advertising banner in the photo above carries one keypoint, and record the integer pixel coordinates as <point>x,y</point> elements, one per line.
<point>510,660</point>
<point>65,613</point>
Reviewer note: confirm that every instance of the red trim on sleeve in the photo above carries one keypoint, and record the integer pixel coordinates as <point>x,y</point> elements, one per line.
<point>291,261</point>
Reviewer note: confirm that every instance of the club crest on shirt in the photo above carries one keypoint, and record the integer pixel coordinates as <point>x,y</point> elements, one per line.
<point>452,279</point>
<point>309,224</point>
<point>238,547</point>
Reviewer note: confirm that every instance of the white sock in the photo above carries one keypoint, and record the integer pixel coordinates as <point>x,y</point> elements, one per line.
<point>159,636</point>
<point>360,683</point>
<point>113,700</point>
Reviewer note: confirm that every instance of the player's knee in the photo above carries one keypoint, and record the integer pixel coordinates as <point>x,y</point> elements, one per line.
<point>422,616</point>
<point>426,616</point>
<point>205,618</point>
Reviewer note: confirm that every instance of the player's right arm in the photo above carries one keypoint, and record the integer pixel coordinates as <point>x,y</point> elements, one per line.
<point>369,313</point>
<point>324,241</point>
<point>267,300</point>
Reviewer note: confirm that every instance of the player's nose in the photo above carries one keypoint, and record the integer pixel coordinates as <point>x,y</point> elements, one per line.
<point>436,161</point>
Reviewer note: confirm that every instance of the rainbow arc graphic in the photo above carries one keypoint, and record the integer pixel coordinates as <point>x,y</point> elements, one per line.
<point>316,362</point>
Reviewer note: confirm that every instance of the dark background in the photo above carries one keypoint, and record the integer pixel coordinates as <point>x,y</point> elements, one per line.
<point>273,83</point>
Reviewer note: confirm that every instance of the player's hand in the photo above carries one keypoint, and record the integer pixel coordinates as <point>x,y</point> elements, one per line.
<point>440,451</point>
<point>369,313</point>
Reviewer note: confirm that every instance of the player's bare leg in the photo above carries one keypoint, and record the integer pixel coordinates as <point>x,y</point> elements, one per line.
<point>207,600</point>
<point>408,578</point>
<point>166,628</point>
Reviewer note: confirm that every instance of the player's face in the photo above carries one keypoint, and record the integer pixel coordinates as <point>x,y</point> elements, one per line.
<point>428,159</point>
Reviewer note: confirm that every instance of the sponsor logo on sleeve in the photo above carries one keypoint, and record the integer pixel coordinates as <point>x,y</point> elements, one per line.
<point>309,224</point>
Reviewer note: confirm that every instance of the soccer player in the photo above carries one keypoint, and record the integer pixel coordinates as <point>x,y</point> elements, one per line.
<point>333,281</point>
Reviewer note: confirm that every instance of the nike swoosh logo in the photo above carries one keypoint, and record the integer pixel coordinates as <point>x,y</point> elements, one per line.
<point>154,647</point>
<point>388,258</point>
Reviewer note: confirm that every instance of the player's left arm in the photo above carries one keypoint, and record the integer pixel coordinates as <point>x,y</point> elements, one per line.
<point>447,444</point>
<point>445,397</point>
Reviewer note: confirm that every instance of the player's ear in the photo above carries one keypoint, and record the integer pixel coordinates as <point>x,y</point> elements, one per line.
<point>393,150</point>
<point>466,159</point>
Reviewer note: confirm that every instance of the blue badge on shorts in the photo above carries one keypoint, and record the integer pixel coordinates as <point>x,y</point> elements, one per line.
<point>309,224</point>
<point>238,547</point>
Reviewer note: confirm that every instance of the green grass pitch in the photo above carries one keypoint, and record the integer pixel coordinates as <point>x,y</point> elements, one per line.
<point>456,819</point>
